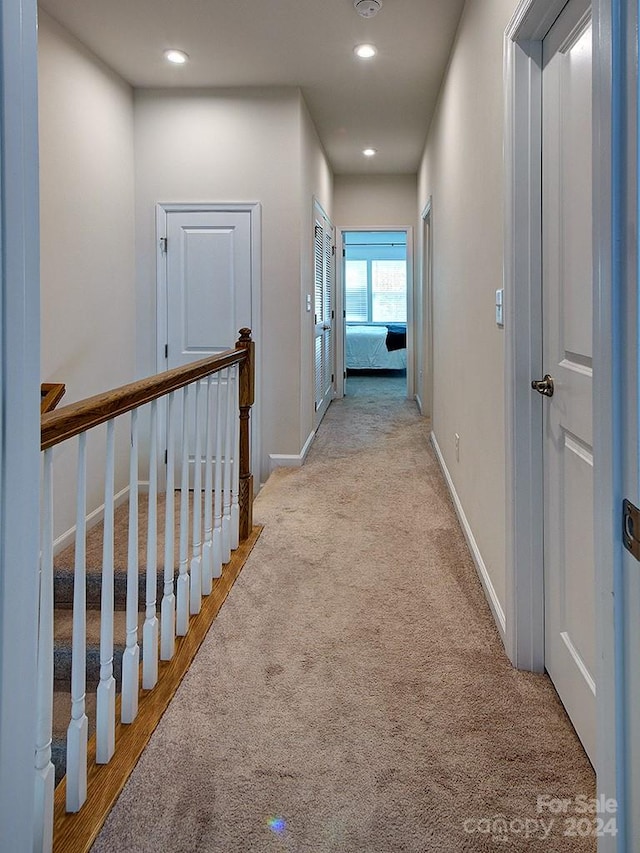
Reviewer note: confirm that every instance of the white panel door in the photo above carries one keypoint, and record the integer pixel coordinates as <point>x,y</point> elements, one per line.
<point>208,282</point>
<point>324,293</point>
<point>209,292</point>
<point>567,352</point>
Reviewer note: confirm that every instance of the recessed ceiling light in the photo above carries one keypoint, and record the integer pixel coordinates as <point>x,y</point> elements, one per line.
<point>369,152</point>
<point>365,51</point>
<point>178,57</point>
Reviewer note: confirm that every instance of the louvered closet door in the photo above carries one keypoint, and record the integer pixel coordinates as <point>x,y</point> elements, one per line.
<point>324,289</point>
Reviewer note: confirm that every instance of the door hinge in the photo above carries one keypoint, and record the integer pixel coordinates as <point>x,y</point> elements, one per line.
<point>163,245</point>
<point>333,251</point>
<point>333,315</point>
<point>344,315</point>
<point>166,456</point>
<point>315,407</point>
<point>631,528</point>
<point>333,378</point>
<point>344,374</point>
<point>166,350</point>
<point>344,253</point>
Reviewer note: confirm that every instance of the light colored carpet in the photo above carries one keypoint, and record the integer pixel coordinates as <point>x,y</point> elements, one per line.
<point>353,694</point>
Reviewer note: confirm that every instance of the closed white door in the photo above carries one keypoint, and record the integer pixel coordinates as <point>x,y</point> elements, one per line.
<point>567,353</point>
<point>208,287</point>
<point>324,316</point>
<point>208,282</point>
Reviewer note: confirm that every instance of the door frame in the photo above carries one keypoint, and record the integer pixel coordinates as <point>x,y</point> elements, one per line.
<point>319,212</point>
<point>523,360</point>
<point>340,302</point>
<point>19,423</point>
<point>254,209</point>
<point>424,316</point>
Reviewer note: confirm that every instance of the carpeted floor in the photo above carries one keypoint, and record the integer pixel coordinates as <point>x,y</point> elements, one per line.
<point>353,695</point>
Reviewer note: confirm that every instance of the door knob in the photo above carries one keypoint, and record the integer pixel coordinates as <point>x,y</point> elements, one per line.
<point>544,386</point>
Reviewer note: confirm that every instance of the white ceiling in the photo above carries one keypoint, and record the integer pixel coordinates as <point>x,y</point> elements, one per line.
<point>385,102</point>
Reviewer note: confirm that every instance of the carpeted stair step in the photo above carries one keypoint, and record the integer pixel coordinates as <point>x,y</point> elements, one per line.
<point>63,588</point>
<point>64,561</point>
<point>63,624</point>
<point>61,717</point>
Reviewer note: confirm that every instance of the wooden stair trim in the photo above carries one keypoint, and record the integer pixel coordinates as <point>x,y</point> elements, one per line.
<point>50,395</point>
<point>75,833</point>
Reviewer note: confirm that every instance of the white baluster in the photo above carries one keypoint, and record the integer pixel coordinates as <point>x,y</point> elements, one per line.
<point>78,729</point>
<point>216,550</point>
<point>106,697</point>
<point>228,451</point>
<point>168,608</point>
<point>196,560</point>
<point>235,477</point>
<point>44,769</point>
<point>150,629</point>
<point>182,618</point>
<point>131,657</point>
<point>208,498</point>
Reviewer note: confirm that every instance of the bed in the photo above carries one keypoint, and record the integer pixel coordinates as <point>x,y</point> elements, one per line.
<point>376,347</point>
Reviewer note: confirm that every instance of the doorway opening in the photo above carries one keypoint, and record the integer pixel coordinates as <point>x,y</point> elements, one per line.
<point>375,311</point>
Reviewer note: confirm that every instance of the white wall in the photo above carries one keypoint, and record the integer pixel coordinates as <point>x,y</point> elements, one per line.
<point>374,201</point>
<point>462,169</point>
<point>226,146</point>
<point>316,182</point>
<point>87,235</point>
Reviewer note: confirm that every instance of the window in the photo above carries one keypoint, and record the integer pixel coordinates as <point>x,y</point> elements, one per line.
<point>356,288</point>
<point>375,277</point>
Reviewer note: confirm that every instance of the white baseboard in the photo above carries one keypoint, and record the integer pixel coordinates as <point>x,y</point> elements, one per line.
<point>67,538</point>
<point>291,460</point>
<point>419,402</point>
<point>483,574</point>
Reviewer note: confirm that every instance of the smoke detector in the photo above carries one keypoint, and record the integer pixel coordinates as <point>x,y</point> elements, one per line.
<point>367,8</point>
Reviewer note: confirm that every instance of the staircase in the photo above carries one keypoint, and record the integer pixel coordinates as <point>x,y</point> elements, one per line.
<point>63,620</point>
<point>114,641</point>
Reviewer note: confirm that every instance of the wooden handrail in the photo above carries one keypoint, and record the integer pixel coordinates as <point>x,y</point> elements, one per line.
<point>50,395</point>
<point>76,418</point>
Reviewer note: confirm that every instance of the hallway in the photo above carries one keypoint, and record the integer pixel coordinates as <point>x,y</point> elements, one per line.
<point>353,694</point>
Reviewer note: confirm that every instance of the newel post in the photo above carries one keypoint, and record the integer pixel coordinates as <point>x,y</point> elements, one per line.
<point>247,383</point>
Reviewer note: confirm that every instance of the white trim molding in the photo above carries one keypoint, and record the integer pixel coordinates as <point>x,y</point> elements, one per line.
<point>615,258</point>
<point>523,330</point>
<point>19,424</point>
<point>291,460</point>
<point>424,315</point>
<point>411,319</point>
<point>481,568</point>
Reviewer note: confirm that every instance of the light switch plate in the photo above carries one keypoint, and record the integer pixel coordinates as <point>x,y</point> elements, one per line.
<point>499,307</point>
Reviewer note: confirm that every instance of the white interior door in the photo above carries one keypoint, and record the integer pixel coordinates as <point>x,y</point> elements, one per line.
<point>208,282</point>
<point>567,353</point>
<point>324,314</point>
<point>208,267</point>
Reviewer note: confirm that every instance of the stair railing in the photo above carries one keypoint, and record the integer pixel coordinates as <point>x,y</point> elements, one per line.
<point>206,407</point>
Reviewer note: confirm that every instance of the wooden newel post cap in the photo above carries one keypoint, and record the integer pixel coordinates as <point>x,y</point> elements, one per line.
<point>245,336</point>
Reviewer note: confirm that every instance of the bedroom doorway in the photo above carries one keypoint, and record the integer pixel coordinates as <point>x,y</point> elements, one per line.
<point>375,291</point>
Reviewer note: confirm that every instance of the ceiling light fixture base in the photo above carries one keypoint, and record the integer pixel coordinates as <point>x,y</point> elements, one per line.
<point>367,8</point>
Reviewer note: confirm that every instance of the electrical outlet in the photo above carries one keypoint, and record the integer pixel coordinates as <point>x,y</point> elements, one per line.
<point>457,447</point>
